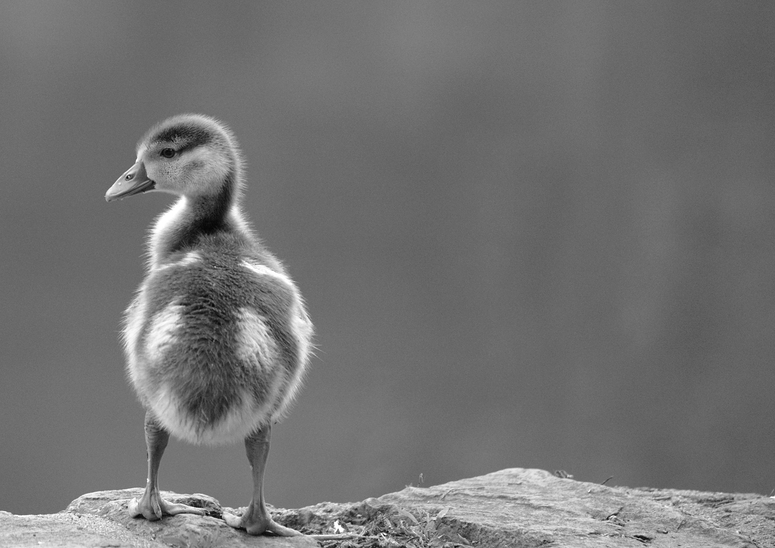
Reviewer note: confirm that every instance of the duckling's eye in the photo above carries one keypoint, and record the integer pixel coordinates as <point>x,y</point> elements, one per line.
<point>168,152</point>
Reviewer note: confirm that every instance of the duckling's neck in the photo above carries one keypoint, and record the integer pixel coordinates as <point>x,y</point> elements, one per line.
<point>191,218</point>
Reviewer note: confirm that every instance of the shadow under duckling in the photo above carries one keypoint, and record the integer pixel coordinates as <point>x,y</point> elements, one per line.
<point>217,338</point>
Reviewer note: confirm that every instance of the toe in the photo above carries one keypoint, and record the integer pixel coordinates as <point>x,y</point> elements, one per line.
<point>173,509</point>
<point>280,530</point>
<point>156,510</point>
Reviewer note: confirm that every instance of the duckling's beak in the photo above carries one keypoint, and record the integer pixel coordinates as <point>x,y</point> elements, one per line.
<point>133,181</point>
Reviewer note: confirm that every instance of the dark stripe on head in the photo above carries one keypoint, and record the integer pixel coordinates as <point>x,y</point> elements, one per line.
<point>185,135</point>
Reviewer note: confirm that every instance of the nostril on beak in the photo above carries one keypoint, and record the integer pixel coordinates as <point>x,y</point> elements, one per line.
<point>129,177</point>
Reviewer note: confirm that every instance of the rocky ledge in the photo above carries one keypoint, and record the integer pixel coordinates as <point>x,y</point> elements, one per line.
<point>510,508</point>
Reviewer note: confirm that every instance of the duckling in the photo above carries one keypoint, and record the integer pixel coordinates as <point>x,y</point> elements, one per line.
<point>217,338</point>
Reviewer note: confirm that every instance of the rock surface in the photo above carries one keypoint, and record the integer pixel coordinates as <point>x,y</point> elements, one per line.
<point>510,508</point>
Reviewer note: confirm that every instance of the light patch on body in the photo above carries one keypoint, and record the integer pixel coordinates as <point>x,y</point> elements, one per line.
<point>255,344</point>
<point>163,330</point>
<point>164,225</point>
<point>264,271</point>
<point>192,257</point>
<point>133,327</point>
<point>302,328</point>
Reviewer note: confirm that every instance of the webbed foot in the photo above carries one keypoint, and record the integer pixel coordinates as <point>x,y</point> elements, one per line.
<point>152,507</point>
<point>258,523</point>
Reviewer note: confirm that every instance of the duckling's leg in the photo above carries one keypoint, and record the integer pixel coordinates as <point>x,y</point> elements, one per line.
<point>152,506</point>
<point>256,519</point>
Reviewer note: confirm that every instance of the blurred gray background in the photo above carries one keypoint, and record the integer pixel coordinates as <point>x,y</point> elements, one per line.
<point>531,234</point>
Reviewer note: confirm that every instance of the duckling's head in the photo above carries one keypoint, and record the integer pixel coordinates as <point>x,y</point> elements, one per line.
<point>189,155</point>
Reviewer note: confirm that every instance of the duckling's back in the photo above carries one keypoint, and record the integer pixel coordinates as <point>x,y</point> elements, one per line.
<point>217,340</point>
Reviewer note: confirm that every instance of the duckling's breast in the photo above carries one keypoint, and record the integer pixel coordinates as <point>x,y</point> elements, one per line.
<point>216,345</point>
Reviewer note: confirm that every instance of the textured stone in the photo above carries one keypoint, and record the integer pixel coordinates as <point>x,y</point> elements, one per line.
<point>67,531</point>
<point>518,507</point>
<point>510,508</point>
